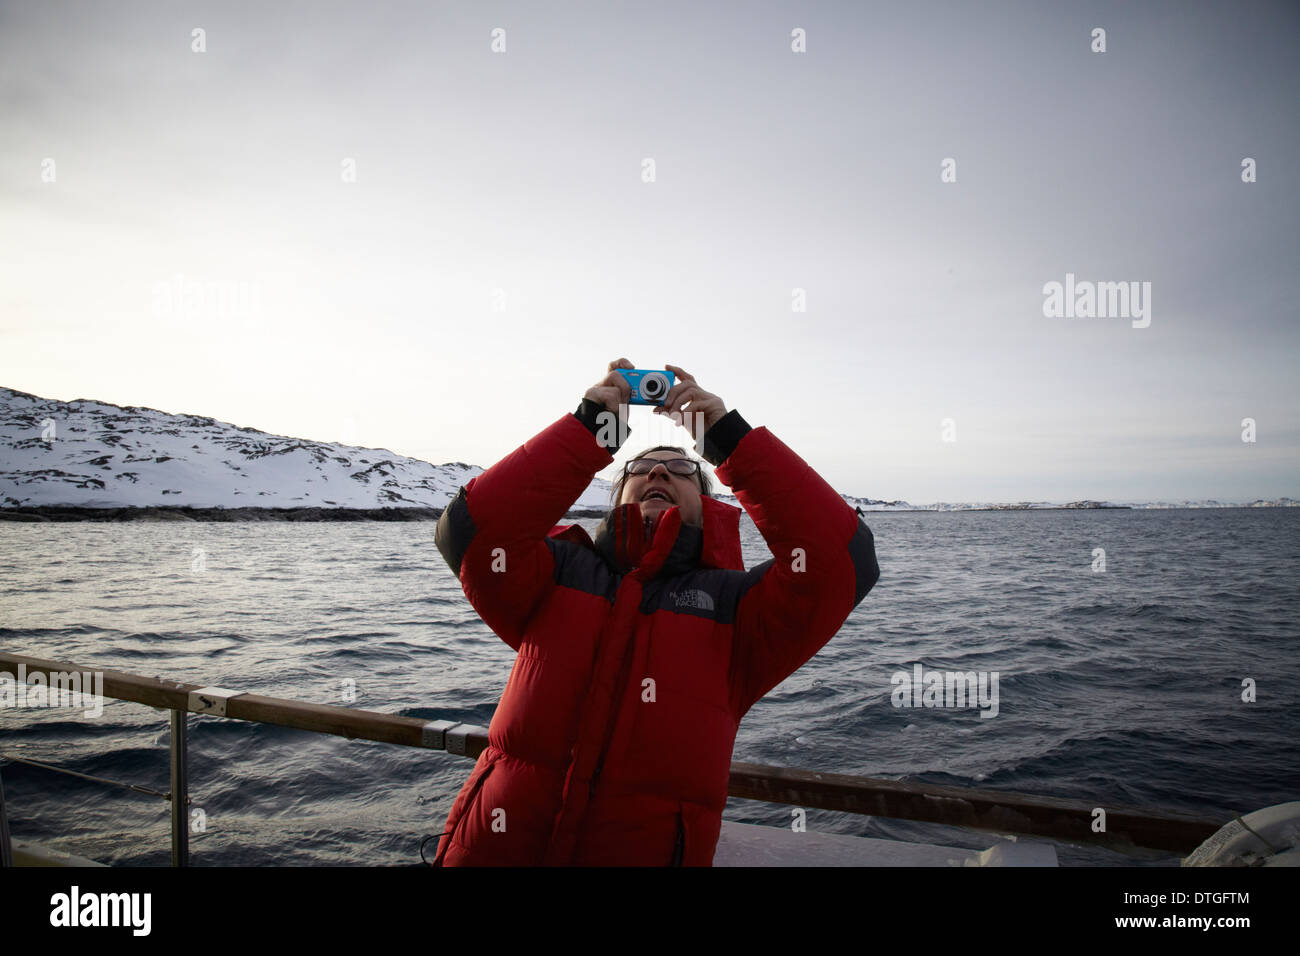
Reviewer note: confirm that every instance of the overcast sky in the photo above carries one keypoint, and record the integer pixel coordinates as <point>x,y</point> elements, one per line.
<point>180,232</point>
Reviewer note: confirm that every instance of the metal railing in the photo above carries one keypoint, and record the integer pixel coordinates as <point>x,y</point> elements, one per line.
<point>998,811</point>
<point>6,847</point>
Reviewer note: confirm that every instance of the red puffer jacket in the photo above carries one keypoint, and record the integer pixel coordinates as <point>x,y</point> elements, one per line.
<point>612,742</point>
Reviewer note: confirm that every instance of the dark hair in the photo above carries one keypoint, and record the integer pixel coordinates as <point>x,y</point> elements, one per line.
<point>706,485</point>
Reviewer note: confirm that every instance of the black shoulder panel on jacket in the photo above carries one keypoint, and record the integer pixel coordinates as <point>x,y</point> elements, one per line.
<point>862,549</point>
<point>455,531</point>
<point>582,569</point>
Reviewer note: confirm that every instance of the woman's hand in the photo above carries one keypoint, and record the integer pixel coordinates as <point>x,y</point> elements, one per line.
<point>613,390</point>
<point>705,407</point>
<point>703,412</point>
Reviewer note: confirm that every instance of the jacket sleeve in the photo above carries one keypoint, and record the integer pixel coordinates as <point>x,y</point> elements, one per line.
<point>823,565</point>
<point>493,533</point>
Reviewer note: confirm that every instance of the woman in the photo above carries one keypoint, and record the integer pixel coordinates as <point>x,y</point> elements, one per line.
<point>639,652</point>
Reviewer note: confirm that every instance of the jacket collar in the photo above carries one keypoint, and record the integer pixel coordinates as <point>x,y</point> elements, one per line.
<point>674,548</point>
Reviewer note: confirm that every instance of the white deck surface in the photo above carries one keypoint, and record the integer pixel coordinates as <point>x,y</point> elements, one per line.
<point>33,854</point>
<point>744,844</point>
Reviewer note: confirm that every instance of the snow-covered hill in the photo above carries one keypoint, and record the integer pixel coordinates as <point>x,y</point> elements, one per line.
<point>96,455</point>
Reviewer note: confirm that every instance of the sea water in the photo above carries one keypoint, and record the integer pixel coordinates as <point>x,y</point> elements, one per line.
<point>1162,676</point>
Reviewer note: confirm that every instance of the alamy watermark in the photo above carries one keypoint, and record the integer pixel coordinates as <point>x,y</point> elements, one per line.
<point>54,689</point>
<point>75,908</point>
<point>206,299</point>
<point>612,429</point>
<point>959,689</point>
<point>1098,300</point>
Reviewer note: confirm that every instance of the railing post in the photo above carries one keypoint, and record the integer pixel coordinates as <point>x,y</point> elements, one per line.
<point>6,848</point>
<point>180,792</point>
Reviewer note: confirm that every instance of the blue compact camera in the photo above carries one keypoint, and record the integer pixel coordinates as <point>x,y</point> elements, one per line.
<point>649,386</point>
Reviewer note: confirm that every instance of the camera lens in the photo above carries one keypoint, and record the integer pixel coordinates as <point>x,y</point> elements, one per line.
<point>654,386</point>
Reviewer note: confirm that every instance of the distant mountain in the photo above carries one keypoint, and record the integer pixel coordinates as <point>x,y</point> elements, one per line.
<point>867,504</point>
<point>92,454</point>
<point>96,455</point>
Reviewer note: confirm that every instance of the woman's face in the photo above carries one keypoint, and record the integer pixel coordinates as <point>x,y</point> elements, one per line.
<point>661,489</point>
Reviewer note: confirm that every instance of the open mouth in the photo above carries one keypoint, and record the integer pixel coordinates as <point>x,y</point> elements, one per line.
<point>656,495</point>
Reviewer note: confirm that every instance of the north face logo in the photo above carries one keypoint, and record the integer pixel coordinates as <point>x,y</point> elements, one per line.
<point>693,598</point>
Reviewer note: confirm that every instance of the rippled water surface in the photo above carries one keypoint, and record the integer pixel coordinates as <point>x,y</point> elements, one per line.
<point>1122,687</point>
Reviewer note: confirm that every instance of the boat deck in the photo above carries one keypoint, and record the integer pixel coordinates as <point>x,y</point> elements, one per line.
<point>745,844</point>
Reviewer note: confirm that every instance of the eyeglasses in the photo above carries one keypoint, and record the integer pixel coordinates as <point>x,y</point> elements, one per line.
<point>683,467</point>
